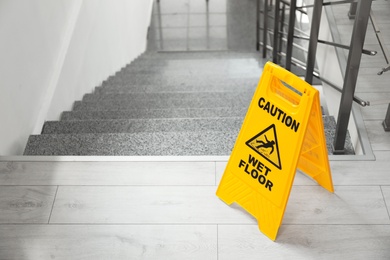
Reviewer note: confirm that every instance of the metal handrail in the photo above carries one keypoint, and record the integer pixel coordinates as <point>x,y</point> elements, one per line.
<point>386,121</point>
<point>285,40</point>
<point>364,51</point>
<point>329,3</point>
<point>354,57</point>
<point>316,74</point>
<point>383,47</point>
<point>258,28</point>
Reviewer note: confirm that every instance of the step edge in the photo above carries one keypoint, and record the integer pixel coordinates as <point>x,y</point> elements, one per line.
<point>39,158</point>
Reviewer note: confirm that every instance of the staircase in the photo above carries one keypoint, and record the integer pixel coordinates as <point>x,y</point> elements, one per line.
<point>162,104</point>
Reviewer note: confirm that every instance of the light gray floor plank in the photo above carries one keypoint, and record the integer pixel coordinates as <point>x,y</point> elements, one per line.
<point>194,205</point>
<point>107,173</point>
<point>386,195</point>
<point>305,242</point>
<point>26,204</point>
<point>378,108</point>
<point>347,205</point>
<point>375,112</point>
<point>144,205</point>
<point>369,82</point>
<point>107,242</point>
<point>362,172</point>
<point>379,139</point>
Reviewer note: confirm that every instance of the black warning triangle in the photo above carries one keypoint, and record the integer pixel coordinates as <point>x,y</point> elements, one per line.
<point>265,143</point>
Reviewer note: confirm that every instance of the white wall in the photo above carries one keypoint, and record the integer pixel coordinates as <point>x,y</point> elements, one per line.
<point>52,52</point>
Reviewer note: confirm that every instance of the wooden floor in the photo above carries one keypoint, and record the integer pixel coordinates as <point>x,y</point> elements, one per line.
<point>168,210</point>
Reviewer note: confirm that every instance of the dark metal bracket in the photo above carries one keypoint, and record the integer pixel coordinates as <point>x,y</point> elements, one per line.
<point>329,3</point>
<point>386,122</point>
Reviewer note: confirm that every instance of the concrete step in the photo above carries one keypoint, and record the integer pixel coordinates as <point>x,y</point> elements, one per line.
<point>189,75</point>
<point>154,113</point>
<point>175,58</point>
<point>206,143</point>
<point>233,85</point>
<point>179,81</point>
<point>125,104</point>
<point>128,97</point>
<point>226,66</point>
<point>179,143</point>
<point>203,62</point>
<point>142,125</point>
<point>167,56</point>
<point>212,69</point>
<point>182,82</point>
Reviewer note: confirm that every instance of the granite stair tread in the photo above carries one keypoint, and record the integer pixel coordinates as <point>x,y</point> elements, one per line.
<point>185,143</point>
<point>165,95</point>
<point>124,104</point>
<point>190,75</point>
<point>184,86</point>
<point>192,62</point>
<point>199,60</point>
<point>213,68</point>
<point>197,55</point>
<point>154,113</point>
<point>143,125</point>
<point>218,143</point>
<point>177,79</point>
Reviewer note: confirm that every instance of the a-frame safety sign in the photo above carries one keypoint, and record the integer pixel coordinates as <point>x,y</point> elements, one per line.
<point>282,131</point>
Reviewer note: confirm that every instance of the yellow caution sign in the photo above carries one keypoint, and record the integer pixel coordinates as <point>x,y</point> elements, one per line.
<point>282,131</point>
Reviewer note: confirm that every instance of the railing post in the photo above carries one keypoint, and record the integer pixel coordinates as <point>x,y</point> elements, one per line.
<point>386,122</point>
<point>282,30</point>
<point>275,49</point>
<point>265,30</point>
<point>351,73</point>
<point>290,35</point>
<point>314,32</point>
<point>258,25</point>
<point>160,25</point>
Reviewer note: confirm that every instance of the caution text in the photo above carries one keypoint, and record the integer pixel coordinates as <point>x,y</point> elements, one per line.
<point>276,112</point>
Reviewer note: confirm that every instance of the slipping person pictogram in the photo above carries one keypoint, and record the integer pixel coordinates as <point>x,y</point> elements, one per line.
<point>265,143</point>
<point>268,144</point>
